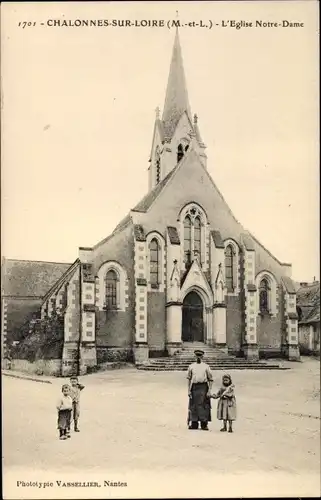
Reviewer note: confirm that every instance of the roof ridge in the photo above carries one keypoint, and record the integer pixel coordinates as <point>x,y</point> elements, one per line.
<point>264,248</point>
<point>115,231</point>
<point>159,187</point>
<point>219,193</point>
<point>38,261</point>
<point>61,279</point>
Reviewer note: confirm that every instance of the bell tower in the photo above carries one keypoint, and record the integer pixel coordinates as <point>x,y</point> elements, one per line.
<point>176,131</point>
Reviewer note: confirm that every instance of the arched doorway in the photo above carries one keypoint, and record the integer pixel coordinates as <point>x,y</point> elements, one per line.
<point>192,320</point>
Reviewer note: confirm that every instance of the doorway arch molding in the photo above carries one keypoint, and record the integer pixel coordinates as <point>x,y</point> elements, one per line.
<point>207,300</point>
<point>207,312</point>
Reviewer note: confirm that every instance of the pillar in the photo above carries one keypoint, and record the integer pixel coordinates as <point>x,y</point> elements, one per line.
<point>219,325</point>
<point>209,326</point>
<point>140,348</point>
<point>250,346</point>
<point>88,356</point>
<point>173,327</point>
<point>4,334</point>
<point>291,342</point>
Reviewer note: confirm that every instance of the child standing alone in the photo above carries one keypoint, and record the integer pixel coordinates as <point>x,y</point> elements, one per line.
<point>76,387</point>
<point>64,407</point>
<point>226,406</point>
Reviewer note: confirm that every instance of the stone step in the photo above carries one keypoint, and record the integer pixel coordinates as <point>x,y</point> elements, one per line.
<point>209,361</point>
<point>243,367</point>
<point>205,359</point>
<point>213,365</point>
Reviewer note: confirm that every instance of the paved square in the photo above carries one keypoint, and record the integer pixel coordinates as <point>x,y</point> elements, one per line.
<point>134,420</point>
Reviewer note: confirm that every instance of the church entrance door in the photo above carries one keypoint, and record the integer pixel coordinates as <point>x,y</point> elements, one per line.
<point>192,320</point>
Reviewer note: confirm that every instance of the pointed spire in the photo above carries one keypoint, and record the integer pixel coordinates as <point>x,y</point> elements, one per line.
<point>176,100</point>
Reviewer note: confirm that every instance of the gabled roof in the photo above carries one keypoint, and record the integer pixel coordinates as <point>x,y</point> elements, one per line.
<point>123,223</point>
<point>29,278</point>
<point>63,279</point>
<point>308,300</point>
<point>150,197</point>
<point>248,242</point>
<point>289,284</point>
<point>217,238</point>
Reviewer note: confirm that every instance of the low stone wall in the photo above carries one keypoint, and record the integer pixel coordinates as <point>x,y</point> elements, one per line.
<point>113,354</point>
<point>40,367</point>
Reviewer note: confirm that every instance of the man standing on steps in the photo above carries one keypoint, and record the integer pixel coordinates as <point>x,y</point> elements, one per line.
<point>200,380</point>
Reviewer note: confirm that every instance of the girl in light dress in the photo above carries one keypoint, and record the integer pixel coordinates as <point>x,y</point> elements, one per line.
<point>226,405</point>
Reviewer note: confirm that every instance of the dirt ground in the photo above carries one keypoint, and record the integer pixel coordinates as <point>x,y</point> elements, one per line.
<point>133,429</point>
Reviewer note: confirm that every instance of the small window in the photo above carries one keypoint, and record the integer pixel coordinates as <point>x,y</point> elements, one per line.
<point>187,239</point>
<point>111,289</point>
<point>264,296</point>
<point>154,262</point>
<point>180,152</point>
<point>229,265</point>
<point>197,236</point>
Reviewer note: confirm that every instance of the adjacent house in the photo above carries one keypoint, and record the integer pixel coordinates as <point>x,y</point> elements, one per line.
<point>308,308</point>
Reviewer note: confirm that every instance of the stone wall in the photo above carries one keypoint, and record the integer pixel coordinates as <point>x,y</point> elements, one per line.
<point>39,367</point>
<point>269,335</point>
<point>234,324</point>
<point>156,322</point>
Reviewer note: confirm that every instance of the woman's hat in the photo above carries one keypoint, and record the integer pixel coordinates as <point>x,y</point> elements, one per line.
<point>199,352</point>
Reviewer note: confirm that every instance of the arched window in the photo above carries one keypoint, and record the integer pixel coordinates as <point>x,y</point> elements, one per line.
<point>197,236</point>
<point>180,152</point>
<point>187,239</point>
<point>229,268</point>
<point>264,296</point>
<point>154,262</point>
<point>111,289</point>
<point>157,161</point>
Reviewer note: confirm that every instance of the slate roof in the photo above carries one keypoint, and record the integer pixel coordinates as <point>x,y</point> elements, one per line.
<point>150,197</point>
<point>308,300</point>
<point>173,235</point>
<point>289,284</point>
<point>248,242</point>
<point>217,238</point>
<point>28,278</point>
<point>123,223</point>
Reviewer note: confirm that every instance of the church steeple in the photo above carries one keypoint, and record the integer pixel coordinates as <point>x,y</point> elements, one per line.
<point>176,100</point>
<point>176,132</point>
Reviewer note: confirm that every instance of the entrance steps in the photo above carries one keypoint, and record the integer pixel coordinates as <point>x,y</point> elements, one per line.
<point>215,357</point>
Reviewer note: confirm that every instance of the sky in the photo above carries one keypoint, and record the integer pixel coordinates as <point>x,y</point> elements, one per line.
<point>78,111</point>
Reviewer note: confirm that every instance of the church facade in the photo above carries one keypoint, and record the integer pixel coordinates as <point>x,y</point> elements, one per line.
<point>178,268</point>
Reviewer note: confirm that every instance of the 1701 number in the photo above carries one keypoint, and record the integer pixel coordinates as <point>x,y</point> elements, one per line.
<point>26,24</point>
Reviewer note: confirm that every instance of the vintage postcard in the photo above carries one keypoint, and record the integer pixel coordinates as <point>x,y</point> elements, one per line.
<point>160,308</point>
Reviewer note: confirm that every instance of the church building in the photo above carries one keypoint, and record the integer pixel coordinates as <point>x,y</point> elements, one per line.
<point>179,268</point>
